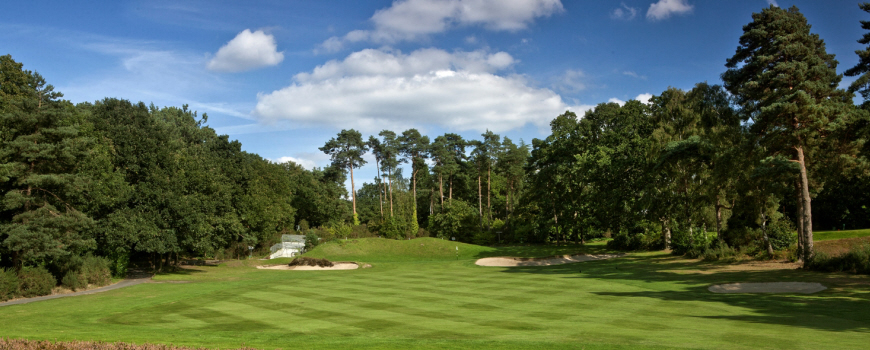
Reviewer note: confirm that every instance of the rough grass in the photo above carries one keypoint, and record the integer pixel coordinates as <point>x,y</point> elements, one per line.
<point>424,297</point>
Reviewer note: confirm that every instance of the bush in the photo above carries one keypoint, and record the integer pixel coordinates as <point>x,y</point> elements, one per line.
<point>782,234</point>
<point>119,264</point>
<point>306,261</point>
<point>35,281</point>
<point>857,260</point>
<point>720,251</point>
<point>96,271</point>
<point>74,280</point>
<point>8,284</point>
<point>692,245</point>
<point>311,241</point>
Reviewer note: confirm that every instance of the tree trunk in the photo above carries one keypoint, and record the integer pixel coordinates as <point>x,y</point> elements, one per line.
<point>764,233</point>
<point>380,196</point>
<point>479,199</point>
<point>353,192</point>
<point>666,232</point>
<point>390,181</point>
<point>719,220</point>
<point>489,191</point>
<point>441,189</point>
<point>807,216</point>
<point>800,226</point>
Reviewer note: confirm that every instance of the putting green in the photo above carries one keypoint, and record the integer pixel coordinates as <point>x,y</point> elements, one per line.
<point>435,300</point>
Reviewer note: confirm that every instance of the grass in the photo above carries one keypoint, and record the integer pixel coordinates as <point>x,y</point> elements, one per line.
<point>832,235</point>
<point>419,294</point>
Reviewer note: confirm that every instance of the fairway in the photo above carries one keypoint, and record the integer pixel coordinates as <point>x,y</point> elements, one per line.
<point>436,298</point>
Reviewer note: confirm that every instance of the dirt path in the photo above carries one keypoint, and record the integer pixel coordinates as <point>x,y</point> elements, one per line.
<point>125,283</point>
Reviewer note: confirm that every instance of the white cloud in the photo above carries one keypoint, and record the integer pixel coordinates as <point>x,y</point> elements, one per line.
<point>248,50</point>
<point>664,8</point>
<point>374,89</point>
<point>624,13</point>
<point>415,19</point>
<point>645,97</point>
<point>305,163</point>
<point>571,81</point>
<point>772,2</point>
<point>616,101</point>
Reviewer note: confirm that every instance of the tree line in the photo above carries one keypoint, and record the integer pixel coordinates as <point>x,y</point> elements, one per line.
<point>751,160</point>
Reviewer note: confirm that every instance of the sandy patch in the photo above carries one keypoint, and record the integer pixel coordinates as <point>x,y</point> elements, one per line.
<point>556,260</point>
<point>768,287</point>
<point>335,266</point>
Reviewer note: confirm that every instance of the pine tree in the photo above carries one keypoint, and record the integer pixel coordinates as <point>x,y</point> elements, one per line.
<point>787,84</point>
<point>39,149</point>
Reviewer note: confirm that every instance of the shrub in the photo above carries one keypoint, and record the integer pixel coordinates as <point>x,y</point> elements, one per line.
<point>692,245</point>
<point>306,261</point>
<point>96,270</point>
<point>35,281</point>
<point>720,251</point>
<point>311,241</point>
<point>8,284</point>
<point>782,234</point>
<point>857,260</point>
<point>74,280</point>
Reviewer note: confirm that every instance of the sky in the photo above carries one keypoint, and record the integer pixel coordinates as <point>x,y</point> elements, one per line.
<point>283,77</point>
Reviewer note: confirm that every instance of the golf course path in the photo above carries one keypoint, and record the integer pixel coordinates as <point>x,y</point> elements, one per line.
<point>125,283</point>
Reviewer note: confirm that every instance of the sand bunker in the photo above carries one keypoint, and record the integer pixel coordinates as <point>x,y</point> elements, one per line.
<point>336,266</point>
<point>768,287</point>
<point>556,260</point>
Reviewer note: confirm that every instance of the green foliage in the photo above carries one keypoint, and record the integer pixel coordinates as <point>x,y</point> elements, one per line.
<point>311,241</point>
<point>782,234</point>
<point>35,281</point>
<point>458,220</point>
<point>74,280</point>
<point>719,251</point>
<point>8,284</point>
<point>96,270</point>
<point>692,244</point>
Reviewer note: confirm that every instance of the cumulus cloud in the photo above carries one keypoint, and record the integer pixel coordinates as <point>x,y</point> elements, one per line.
<point>414,19</point>
<point>571,81</point>
<point>616,101</point>
<point>645,97</point>
<point>773,3</point>
<point>377,88</point>
<point>248,50</point>
<point>625,12</point>
<point>665,8</point>
<point>305,163</point>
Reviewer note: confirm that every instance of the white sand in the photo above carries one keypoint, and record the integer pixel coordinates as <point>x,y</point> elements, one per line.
<point>556,260</point>
<point>768,287</point>
<point>335,266</point>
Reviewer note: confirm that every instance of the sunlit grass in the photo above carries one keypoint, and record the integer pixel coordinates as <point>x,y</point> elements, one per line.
<point>419,294</point>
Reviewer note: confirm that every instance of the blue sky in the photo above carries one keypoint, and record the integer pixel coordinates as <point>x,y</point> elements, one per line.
<point>282,77</point>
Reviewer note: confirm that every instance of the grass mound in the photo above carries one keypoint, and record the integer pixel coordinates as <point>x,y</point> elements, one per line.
<point>307,261</point>
<point>434,249</point>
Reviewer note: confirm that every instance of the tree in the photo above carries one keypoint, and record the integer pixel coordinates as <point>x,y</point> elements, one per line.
<point>491,147</point>
<point>389,158</point>
<point>862,68</point>
<point>39,150</point>
<point>346,151</point>
<point>375,146</point>
<point>787,85</point>
<point>414,146</point>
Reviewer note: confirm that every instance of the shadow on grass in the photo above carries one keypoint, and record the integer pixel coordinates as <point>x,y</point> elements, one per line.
<point>845,306</point>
